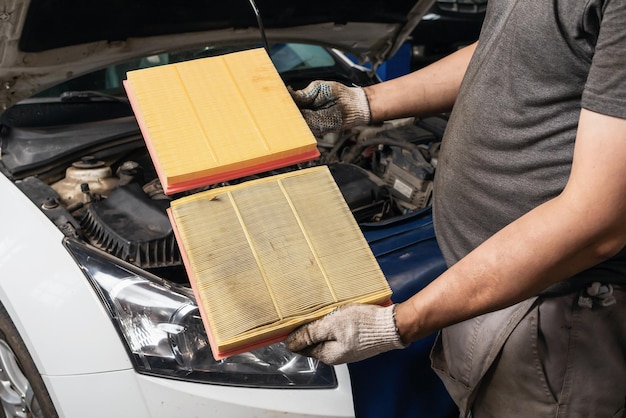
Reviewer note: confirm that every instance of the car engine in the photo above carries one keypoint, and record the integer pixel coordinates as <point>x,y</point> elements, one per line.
<point>115,201</point>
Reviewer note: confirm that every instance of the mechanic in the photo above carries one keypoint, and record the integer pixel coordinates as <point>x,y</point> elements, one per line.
<point>529,211</point>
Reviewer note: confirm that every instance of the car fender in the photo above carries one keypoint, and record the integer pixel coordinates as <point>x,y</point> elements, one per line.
<point>43,289</point>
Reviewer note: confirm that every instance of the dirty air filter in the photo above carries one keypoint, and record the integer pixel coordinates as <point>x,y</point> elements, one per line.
<point>268,255</point>
<point>132,227</point>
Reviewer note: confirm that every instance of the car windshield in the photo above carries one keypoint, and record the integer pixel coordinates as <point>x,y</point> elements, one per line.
<point>287,57</point>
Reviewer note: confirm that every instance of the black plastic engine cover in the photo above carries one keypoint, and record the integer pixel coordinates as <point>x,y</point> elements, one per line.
<point>133,227</point>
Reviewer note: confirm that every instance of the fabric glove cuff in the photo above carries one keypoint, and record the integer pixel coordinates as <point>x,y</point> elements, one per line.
<point>381,334</point>
<point>357,109</point>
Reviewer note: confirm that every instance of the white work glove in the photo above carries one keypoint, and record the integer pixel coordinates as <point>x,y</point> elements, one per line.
<point>329,106</point>
<point>350,333</point>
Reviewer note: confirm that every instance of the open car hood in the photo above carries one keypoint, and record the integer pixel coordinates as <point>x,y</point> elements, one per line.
<point>45,42</point>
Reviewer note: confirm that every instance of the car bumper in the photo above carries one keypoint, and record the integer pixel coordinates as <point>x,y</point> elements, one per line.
<point>128,394</point>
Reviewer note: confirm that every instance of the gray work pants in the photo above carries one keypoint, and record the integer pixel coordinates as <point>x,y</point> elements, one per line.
<point>551,357</point>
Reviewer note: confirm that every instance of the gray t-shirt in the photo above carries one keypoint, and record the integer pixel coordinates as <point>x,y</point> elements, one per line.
<point>509,144</point>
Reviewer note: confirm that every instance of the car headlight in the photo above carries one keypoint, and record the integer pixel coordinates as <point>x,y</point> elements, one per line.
<point>162,329</point>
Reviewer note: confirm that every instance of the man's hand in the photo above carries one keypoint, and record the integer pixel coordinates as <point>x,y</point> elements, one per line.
<point>328,106</point>
<point>348,334</point>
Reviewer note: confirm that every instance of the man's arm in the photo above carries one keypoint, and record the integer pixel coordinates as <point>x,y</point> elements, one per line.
<point>580,228</point>
<point>428,91</point>
<point>330,106</point>
<point>583,226</point>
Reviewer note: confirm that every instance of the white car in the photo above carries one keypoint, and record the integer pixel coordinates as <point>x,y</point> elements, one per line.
<point>96,314</point>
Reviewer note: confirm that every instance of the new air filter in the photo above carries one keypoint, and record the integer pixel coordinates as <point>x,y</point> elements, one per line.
<point>268,255</point>
<point>219,118</point>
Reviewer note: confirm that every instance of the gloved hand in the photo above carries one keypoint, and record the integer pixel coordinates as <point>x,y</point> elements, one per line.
<point>329,106</point>
<point>350,333</point>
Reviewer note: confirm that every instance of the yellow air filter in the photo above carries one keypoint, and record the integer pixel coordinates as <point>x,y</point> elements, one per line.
<point>268,255</point>
<point>219,118</point>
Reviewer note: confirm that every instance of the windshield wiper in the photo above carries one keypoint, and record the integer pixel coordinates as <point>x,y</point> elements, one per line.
<point>89,96</point>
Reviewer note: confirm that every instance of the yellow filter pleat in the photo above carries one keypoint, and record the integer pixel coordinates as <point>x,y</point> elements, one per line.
<point>283,249</point>
<point>270,254</point>
<point>270,100</point>
<point>218,118</point>
<point>235,296</point>
<point>338,241</point>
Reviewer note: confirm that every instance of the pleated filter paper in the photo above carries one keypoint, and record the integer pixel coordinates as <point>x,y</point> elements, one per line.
<point>218,118</point>
<point>268,255</point>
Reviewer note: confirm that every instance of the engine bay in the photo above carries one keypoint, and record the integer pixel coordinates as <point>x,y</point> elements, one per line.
<point>110,196</point>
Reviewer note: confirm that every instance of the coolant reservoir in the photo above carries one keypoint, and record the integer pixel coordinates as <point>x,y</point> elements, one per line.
<point>85,180</point>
